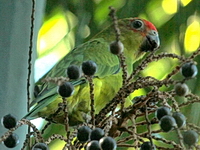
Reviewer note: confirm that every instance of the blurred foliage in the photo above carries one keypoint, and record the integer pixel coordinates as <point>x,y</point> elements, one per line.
<point>68,23</point>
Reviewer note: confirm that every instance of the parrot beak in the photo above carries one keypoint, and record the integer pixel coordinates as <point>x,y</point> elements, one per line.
<point>151,42</point>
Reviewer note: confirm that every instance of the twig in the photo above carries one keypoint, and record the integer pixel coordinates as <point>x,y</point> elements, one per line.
<point>148,126</point>
<point>30,59</point>
<point>92,112</point>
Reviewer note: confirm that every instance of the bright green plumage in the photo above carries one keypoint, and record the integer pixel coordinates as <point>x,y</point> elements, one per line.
<point>108,79</point>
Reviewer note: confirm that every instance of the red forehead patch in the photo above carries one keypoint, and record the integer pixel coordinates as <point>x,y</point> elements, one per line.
<point>150,25</point>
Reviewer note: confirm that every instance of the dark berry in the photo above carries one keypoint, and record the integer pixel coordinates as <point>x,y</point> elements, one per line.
<point>83,134</point>
<point>93,145</point>
<point>107,143</point>
<point>11,141</point>
<point>97,134</point>
<point>9,121</point>
<point>190,137</point>
<point>162,111</point>
<point>181,89</point>
<point>89,68</point>
<point>189,70</point>
<point>180,119</point>
<point>73,72</point>
<point>66,89</point>
<point>40,146</point>
<point>147,146</point>
<point>116,47</point>
<point>167,123</point>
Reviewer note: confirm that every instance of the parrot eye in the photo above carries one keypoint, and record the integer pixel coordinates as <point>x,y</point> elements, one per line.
<point>137,24</point>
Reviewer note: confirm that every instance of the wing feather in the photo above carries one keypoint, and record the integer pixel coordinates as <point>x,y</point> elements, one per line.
<point>96,50</point>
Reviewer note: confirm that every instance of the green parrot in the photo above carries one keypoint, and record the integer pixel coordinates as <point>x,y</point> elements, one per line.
<point>137,35</point>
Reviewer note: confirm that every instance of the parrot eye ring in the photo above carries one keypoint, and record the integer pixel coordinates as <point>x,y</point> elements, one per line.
<point>154,32</point>
<point>137,24</point>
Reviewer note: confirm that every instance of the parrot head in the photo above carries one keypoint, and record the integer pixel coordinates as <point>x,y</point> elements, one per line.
<point>148,30</point>
<point>140,35</point>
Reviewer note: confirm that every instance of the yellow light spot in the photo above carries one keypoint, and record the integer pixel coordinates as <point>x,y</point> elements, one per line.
<point>192,36</point>
<point>136,93</point>
<point>169,6</point>
<point>185,2</point>
<point>52,32</point>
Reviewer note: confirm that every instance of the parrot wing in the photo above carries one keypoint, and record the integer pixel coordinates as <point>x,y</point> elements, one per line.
<point>96,50</point>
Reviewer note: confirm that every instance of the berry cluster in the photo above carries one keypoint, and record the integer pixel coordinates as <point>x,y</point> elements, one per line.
<point>9,121</point>
<point>96,139</point>
<point>170,121</point>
